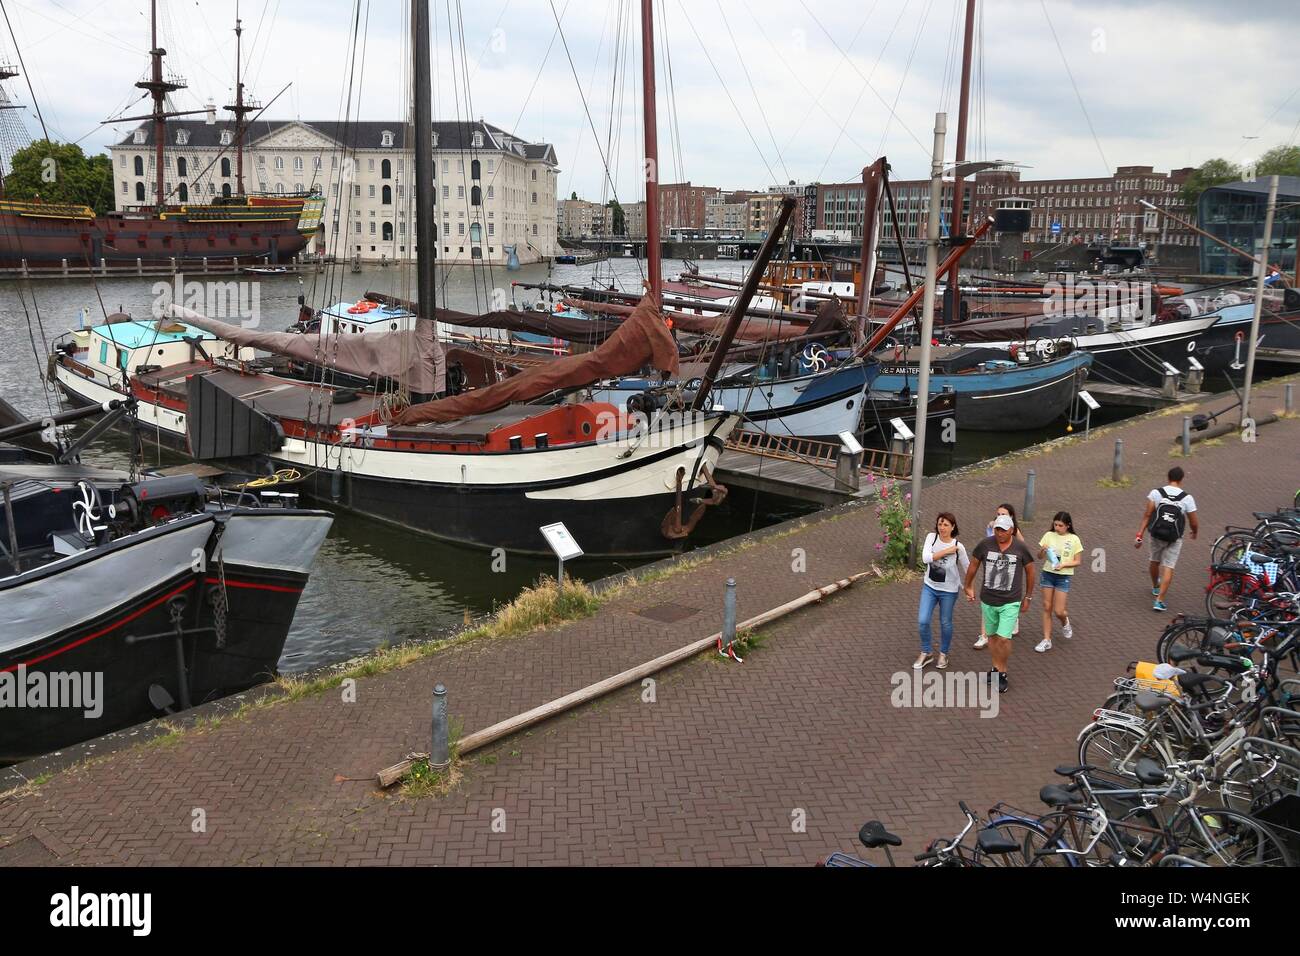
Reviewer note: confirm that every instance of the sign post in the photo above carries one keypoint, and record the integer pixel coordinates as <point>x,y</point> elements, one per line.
<point>562,543</point>
<point>1093,405</point>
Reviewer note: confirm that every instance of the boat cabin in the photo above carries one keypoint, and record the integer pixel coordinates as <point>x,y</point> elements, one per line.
<point>104,352</point>
<point>366,316</point>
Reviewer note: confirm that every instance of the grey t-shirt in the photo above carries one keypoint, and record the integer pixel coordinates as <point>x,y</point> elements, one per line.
<point>1004,571</point>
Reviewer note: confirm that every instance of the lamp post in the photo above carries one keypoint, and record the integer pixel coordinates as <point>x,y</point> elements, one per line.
<point>937,172</point>
<point>1259,300</point>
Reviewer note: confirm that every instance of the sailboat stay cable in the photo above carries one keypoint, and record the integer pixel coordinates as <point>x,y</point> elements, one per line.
<point>752,89</point>
<point>925,150</point>
<point>727,90</point>
<point>1077,95</point>
<point>902,81</point>
<point>27,76</point>
<point>866,84</point>
<point>586,109</point>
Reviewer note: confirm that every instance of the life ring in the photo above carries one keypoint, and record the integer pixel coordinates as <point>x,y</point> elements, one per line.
<point>1240,336</point>
<point>355,310</point>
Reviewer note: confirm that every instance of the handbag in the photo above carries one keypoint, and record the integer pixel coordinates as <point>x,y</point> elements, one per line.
<point>937,572</point>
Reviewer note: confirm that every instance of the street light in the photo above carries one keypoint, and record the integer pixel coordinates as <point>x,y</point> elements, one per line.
<point>937,174</point>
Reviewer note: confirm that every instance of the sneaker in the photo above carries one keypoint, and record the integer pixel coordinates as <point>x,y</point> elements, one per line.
<point>1002,682</point>
<point>1155,592</point>
<point>982,642</point>
<point>1043,646</point>
<point>1158,605</point>
<point>921,661</point>
<point>942,662</point>
<point>1067,630</point>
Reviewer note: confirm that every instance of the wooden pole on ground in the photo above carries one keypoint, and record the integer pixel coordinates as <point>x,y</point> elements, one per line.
<point>390,775</point>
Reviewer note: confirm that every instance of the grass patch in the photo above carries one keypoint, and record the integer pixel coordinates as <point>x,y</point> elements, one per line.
<point>1124,482</point>
<point>424,781</point>
<point>171,738</point>
<point>1211,442</point>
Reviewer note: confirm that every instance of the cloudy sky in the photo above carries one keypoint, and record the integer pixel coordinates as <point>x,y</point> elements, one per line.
<point>762,91</point>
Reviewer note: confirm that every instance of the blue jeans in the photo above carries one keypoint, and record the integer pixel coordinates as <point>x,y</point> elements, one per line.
<point>946,600</point>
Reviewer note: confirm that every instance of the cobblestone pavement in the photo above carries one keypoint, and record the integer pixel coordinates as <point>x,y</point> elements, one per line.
<point>776,761</point>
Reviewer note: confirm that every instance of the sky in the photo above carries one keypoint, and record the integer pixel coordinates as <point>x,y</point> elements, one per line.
<point>750,93</point>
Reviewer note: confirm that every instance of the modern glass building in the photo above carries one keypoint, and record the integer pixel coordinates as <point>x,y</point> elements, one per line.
<point>1235,213</point>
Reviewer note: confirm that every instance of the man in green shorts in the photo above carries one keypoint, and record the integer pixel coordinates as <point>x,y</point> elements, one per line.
<point>1008,581</point>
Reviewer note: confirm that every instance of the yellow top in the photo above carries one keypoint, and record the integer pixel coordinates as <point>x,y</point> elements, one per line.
<point>1066,547</point>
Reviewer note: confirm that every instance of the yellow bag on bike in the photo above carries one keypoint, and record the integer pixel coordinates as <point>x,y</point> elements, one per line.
<point>1144,674</point>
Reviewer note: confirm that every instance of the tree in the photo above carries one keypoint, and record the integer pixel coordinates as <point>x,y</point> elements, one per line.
<point>1210,173</point>
<point>1279,161</point>
<point>61,172</point>
<point>617,221</point>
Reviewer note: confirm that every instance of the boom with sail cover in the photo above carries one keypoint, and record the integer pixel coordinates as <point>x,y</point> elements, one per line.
<point>642,339</point>
<point>415,357</point>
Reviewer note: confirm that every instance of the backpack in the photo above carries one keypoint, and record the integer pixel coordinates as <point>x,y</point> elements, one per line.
<point>1169,520</point>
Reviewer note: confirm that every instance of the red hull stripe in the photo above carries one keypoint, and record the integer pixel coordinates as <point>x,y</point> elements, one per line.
<point>100,633</point>
<point>259,587</point>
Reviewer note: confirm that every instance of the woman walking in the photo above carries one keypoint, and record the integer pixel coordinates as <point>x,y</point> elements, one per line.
<point>945,566</point>
<point>1010,511</point>
<point>1062,552</point>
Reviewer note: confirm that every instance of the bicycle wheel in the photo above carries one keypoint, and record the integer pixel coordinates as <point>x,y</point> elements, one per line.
<point>1230,548</point>
<point>1046,843</point>
<point>1116,749</point>
<point>1228,838</point>
<point>1256,779</point>
<point>1224,596</point>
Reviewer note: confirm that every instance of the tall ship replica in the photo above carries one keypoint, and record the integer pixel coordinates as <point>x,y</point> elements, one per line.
<point>236,228</point>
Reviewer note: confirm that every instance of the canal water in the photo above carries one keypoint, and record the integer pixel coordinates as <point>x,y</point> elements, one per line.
<point>374,584</point>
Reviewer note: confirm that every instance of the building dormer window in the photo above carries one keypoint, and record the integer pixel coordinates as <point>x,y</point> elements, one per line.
<point>386,138</point>
<point>182,137</point>
<point>138,137</point>
<point>226,137</point>
<point>435,139</point>
<point>478,140</point>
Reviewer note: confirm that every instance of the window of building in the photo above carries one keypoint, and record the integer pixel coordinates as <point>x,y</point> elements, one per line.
<point>478,140</point>
<point>475,196</point>
<point>138,137</point>
<point>534,229</point>
<point>372,191</point>
<point>492,228</point>
<point>491,192</point>
<point>534,199</point>
<point>534,175</point>
<point>446,192</point>
<point>356,191</point>
<point>126,189</point>
<point>356,227</point>
<point>182,169</point>
<point>139,192</point>
<point>445,168</point>
<point>139,166</point>
<point>184,192</point>
<point>279,163</point>
<point>460,228</point>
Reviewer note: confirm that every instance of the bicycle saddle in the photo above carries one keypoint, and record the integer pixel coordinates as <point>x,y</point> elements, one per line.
<point>1149,772</point>
<point>995,842</point>
<point>1056,796</point>
<point>1232,567</point>
<point>1148,701</point>
<point>1192,682</point>
<point>873,835</point>
<point>1070,769</point>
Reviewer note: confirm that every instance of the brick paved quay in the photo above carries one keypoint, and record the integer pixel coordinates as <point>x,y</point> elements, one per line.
<point>728,758</point>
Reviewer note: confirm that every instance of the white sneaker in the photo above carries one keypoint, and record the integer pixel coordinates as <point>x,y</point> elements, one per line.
<point>982,642</point>
<point>1043,646</point>
<point>1067,630</point>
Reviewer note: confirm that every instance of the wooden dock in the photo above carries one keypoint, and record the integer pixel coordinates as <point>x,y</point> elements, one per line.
<point>1280,356</point>
<point>803,469</point>
<point>1139,396</point>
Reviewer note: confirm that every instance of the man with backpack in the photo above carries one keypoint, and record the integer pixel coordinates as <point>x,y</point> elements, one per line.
<point>1168,513</point>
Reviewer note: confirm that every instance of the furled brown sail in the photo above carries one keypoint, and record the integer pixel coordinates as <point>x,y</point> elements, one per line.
<point>414,357</point>
<point>642,339</point>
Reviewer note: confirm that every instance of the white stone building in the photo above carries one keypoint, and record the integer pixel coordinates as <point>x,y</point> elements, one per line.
<point>492,189</point>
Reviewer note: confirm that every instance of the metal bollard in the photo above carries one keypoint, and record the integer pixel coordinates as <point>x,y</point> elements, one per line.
<point>439,752</point>
<point>1290,397</point>
<point>1029,495</point>
<point>1187,435</point>
<point>1117,467</point>
<point>729,615</point>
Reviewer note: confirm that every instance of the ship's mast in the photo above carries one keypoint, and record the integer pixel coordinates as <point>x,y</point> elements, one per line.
<point>240,109</point>
<point>422,122</point>
<point>653,265</point>
<point>957,227</point>
<point>158,88</point>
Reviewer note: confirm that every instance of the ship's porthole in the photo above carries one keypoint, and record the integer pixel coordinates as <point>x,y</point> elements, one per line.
<point>850,404</point>
<point>586,428</point>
